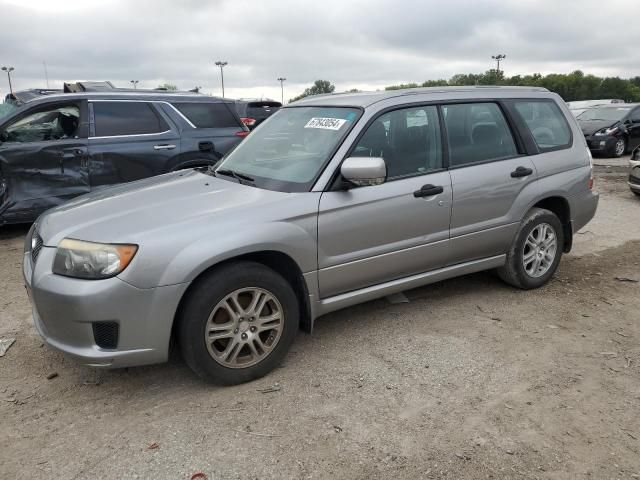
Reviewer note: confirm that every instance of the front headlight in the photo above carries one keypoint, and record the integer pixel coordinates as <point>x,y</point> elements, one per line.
<point>94,261</point>
<point>606,131</point>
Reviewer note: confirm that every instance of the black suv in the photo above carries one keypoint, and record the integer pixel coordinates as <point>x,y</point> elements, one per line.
<point>255,111</point>
<point>60,146</point>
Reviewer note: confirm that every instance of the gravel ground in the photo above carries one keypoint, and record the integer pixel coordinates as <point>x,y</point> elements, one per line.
<point>471,379</point>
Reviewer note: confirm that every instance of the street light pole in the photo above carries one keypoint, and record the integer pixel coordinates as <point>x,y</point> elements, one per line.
<point>221,65</point>
<point>498,59</point>
<point>134,83</point>
<point>9,70</point>
<point>281,80</point>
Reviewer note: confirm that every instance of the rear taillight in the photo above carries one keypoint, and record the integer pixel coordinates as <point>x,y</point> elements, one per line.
<point>241,133</point>
<point>249,122</point>
<point>591,183</point>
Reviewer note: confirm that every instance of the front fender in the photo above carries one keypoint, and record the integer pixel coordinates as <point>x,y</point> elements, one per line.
<point>298,241</point>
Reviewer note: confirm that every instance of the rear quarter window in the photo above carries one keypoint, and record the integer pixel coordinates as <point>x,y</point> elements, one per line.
<point>546,122</point>
<point>208,115</point>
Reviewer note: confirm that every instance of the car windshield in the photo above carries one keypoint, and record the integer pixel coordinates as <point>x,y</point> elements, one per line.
<point>608,113</point>
<point>289,150</point>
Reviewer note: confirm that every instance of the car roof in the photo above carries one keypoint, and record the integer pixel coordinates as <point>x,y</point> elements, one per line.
<point>150,95</point>
<point>365,99</point>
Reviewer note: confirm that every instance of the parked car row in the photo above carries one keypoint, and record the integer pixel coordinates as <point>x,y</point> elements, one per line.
<point>333,201</point>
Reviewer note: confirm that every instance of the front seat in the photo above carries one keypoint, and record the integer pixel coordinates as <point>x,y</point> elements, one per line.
<point>374,142</point>
<point>68,124</point>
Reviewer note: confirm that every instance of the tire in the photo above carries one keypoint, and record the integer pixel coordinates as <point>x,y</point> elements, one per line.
<point>525,276</point>
<point>637,194</point>
<point>248,344</point>
<point>619,148</point>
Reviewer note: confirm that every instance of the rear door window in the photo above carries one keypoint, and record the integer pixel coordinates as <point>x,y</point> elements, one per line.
<point>546,122</point>
<point>126,118</point>
<point>477,133</point>
<point>208,115</point>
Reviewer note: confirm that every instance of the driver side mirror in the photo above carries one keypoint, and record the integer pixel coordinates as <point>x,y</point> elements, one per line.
<point>364,171</point>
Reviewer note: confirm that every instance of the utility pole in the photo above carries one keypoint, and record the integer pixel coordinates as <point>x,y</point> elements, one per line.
<point>282,80</point>
<point>9,70</point>
<point>134,83</point>
<point>498,59</point>
<point>46,74</point>
<point>221,65</point>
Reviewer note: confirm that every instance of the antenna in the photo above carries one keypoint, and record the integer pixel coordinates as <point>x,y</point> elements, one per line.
<point>46,75</point>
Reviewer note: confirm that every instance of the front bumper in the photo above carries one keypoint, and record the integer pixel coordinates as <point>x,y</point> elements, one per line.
<point>601,143</point>
<point>65,309</point>
<point>634,179</point>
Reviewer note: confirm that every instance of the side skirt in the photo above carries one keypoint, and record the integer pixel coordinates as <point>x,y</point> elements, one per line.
<point>348,299</point>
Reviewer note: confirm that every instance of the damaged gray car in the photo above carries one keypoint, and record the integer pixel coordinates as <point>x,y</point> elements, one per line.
<point>56,147</point>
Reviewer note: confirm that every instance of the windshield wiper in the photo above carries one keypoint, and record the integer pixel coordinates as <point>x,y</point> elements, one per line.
<point>237,175</point>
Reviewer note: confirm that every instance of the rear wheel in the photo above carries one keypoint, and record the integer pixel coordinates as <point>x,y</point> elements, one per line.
<point>238,323</point>
<point>536,251</point>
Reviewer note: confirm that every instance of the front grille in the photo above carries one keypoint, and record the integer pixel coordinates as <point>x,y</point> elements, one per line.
<point>36,246</point>
<point>105,334</point>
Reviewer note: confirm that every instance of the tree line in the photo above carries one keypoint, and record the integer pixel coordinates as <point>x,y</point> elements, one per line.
<point>571,86</point>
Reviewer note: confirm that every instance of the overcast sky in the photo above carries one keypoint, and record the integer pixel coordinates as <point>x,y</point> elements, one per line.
<point>354,44</point>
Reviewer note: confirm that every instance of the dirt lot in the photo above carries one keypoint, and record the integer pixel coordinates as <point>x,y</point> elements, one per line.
<point>471,379</point>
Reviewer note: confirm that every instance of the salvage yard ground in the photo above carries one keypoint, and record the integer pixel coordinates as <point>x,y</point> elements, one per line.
<point>471,379</point>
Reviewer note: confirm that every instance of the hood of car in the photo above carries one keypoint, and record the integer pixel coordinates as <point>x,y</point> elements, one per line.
<point>589,127</point>
<point>125,213</point>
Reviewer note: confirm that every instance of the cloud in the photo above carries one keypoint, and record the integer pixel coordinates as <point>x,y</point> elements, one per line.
<point>353,44</point>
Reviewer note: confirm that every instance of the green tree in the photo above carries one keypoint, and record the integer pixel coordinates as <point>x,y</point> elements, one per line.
<point>319,87</point>
<point>572,86</point>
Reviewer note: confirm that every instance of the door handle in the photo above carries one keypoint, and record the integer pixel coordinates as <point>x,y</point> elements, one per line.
<point>521,172</point>
<point>428,191</point>
<point>164,147</point>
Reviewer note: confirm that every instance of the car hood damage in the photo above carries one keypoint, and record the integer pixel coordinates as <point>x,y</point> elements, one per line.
<point>128,212</point>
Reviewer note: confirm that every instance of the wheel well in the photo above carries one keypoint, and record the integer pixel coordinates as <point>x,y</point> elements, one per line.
<point>281,263</point>
<point>560,207</point>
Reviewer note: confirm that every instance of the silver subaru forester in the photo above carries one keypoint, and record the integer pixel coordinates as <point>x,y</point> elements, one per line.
<point>333,201</point>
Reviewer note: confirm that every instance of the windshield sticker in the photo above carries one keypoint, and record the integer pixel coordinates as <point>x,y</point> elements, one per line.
<point>325,123</point>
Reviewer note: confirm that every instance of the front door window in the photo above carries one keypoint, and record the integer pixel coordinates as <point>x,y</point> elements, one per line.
<point>51,124</point>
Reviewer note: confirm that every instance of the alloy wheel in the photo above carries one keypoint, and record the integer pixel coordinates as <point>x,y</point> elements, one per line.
<point>540,250</point>
<point>244,327</point>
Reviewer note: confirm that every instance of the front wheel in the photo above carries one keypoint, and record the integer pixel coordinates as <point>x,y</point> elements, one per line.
<point>619,148</point>
<point>535,253</point>
<point>237,323</point>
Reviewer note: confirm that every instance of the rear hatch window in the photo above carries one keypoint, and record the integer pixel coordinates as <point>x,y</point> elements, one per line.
<point>262,109</point>
<point>209,115</point>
